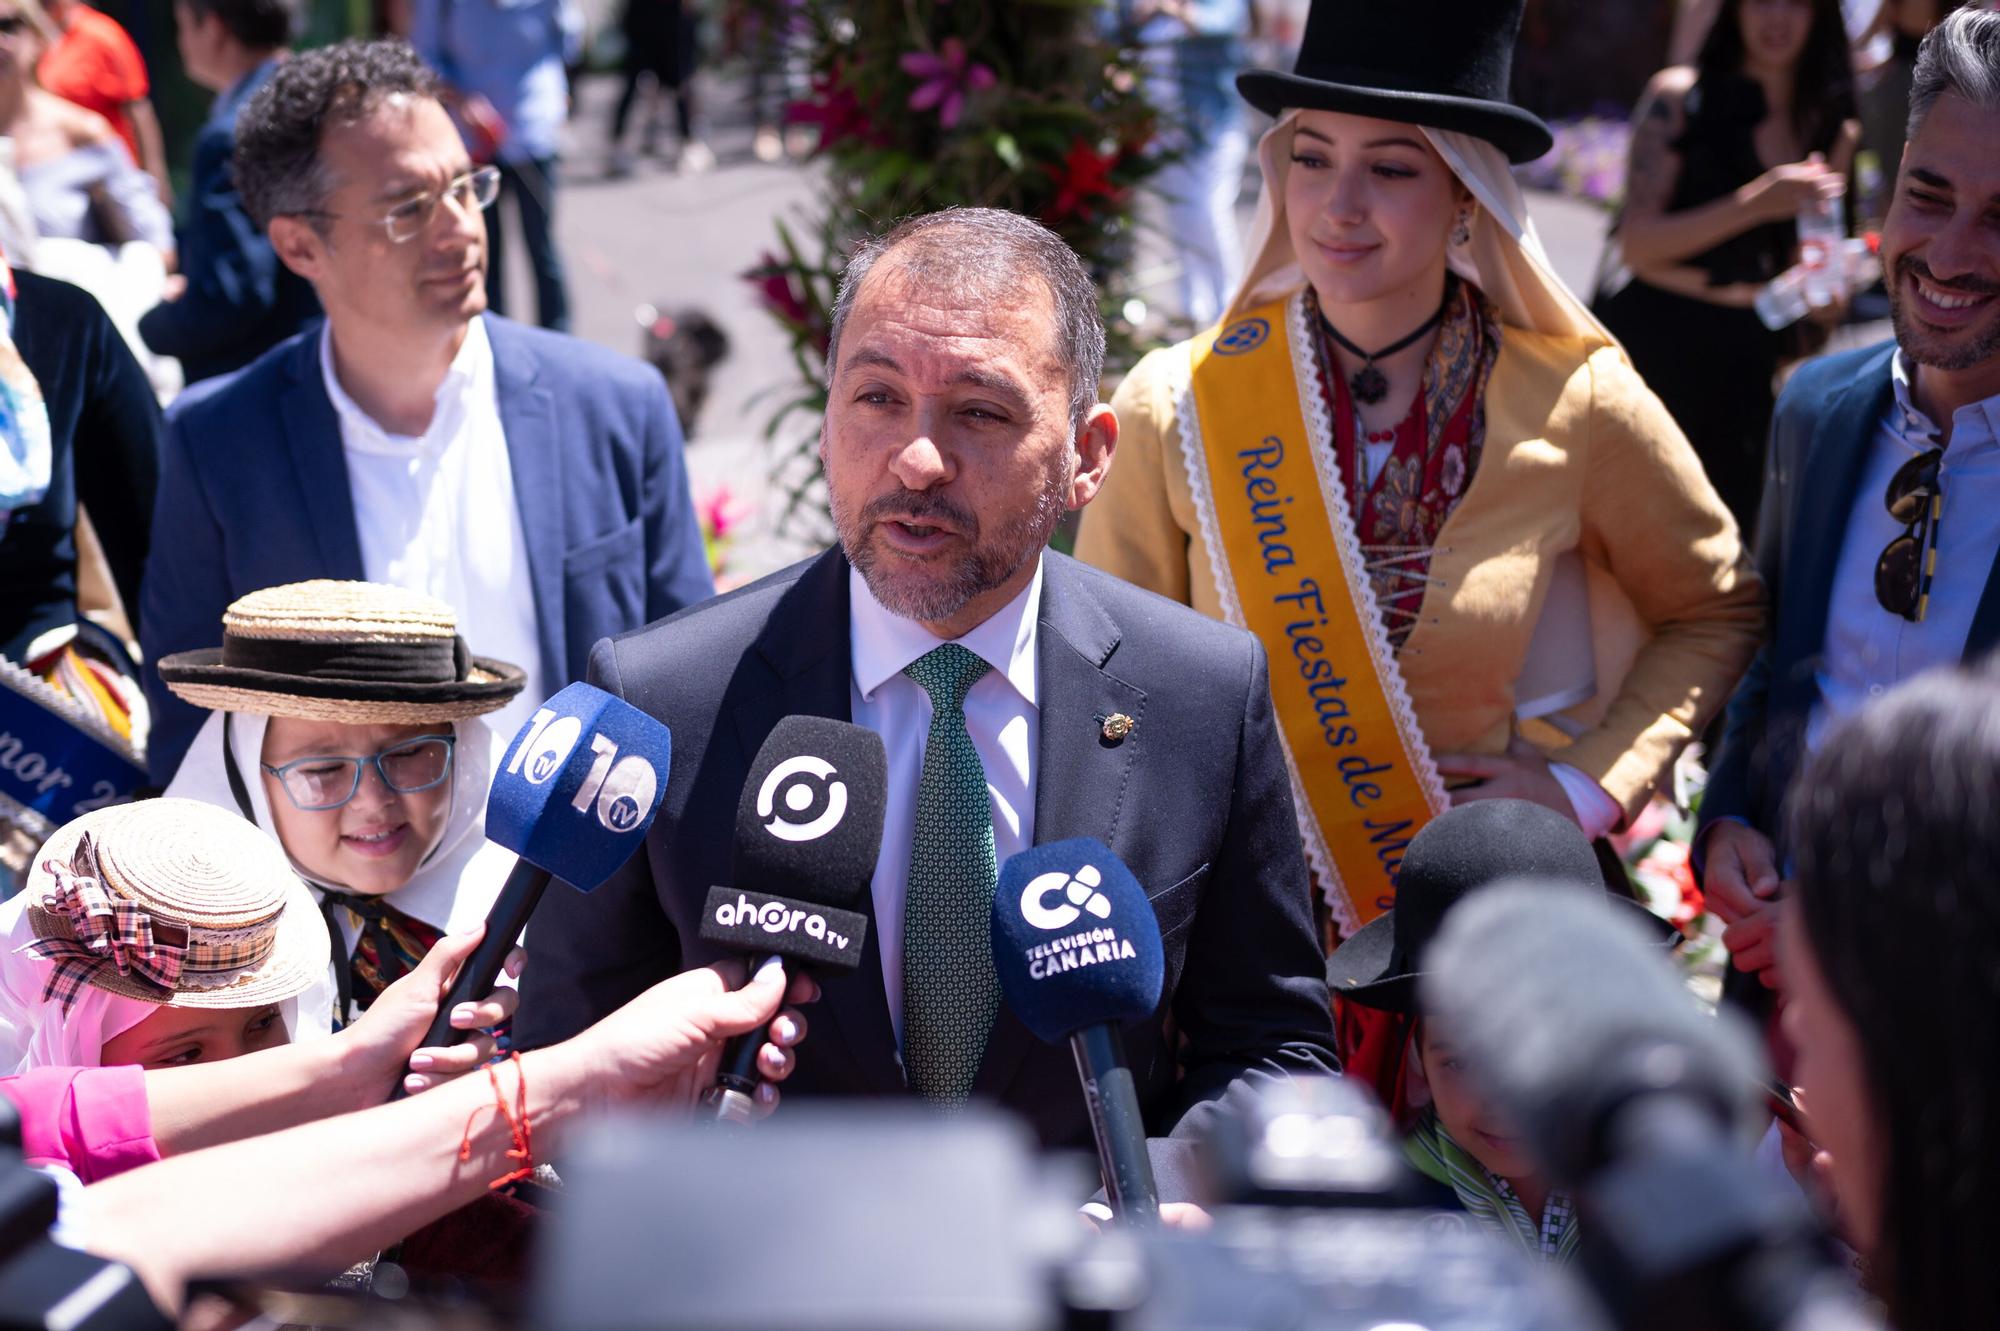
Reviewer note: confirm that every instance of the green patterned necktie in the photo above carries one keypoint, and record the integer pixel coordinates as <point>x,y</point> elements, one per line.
<point>950,995</point>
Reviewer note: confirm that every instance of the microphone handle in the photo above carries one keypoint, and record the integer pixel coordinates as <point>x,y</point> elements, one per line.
<point>1115,1120</point>
<point>516,902</point>
<point>737,1079</point>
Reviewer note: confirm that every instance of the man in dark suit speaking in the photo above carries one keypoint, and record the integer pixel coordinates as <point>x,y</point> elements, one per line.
<point>1023,699</point>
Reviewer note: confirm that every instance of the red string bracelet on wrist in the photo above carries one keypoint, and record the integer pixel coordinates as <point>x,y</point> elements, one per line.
<point>516,1119</point>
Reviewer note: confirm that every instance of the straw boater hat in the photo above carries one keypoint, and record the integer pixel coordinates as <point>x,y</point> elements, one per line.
<point>355,652</point>
<point>1455,854</point>
<point>174,902</point>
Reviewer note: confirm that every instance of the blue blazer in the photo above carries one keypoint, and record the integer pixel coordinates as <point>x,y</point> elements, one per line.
<point>254,492</point>
<point>1196,801</point>
<point>240,300</point>
<point>1821,434</point>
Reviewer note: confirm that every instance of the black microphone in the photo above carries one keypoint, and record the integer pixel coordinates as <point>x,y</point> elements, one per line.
<point>1641,1103</point>
<point>1077,950</point>
<point>576,791</point>
<point>808,830</point>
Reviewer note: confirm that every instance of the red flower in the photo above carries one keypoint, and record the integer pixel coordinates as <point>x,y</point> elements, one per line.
<point>778,289</point>
<point>838,112</point>
<point>1084,176</point>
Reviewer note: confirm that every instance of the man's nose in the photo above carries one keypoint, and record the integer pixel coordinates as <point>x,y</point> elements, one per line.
<point>922,464</point>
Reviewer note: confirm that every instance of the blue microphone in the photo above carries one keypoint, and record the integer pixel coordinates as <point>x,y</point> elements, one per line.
<point>575,793</point>
<point>1077,949</point>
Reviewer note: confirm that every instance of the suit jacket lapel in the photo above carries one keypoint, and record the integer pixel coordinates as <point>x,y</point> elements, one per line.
<point>1823,498</point>
<point>805,644</point>
<point>527,419</point>
<point>312,434</point>
<point>1080,777</point>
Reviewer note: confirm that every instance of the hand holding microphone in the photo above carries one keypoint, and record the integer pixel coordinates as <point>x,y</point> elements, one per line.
<point>574,796</point>
<point>1077,950</point>
<point>808,830</point>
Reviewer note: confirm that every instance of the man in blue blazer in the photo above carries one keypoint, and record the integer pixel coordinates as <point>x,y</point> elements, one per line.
<point>1880,532</point>
<point>1023,699</point>
<point>233,300</point>
<point>532,481</point>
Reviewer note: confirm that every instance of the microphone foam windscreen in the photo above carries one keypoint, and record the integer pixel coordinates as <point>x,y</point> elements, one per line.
<point>579,785</point>
<point>1075,941</point>
<point>809,825</point>
<point>1555,997</point>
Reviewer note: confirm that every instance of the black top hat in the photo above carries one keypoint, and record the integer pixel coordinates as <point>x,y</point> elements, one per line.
<point>1442,63</point>
<point>1462,850</point>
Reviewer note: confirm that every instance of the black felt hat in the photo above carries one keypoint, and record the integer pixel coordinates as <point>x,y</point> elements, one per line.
<point>353,652</point>
<point>1462,850</point>
<point>1442,63</point>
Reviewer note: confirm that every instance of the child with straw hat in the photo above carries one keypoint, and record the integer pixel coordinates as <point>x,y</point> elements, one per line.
<point>347,727</point>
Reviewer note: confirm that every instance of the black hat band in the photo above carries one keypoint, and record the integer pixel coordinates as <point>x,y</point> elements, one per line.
<point>429,660</point>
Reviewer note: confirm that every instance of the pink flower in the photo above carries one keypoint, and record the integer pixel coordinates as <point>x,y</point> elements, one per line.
<point>945,79</point>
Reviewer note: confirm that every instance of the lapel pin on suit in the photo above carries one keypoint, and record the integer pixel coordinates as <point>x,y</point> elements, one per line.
<point>1115,726</point>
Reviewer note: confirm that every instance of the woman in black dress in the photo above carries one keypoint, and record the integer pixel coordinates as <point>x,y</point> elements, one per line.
<point>1724,155</point>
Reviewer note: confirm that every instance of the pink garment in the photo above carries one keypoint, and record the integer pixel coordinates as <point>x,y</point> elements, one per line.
<point>93,1122</point>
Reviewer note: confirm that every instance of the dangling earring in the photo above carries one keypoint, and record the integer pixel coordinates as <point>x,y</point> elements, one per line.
<point>1461,235</point>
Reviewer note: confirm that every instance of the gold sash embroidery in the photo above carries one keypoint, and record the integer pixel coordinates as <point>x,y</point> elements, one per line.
<point>1255,440</point>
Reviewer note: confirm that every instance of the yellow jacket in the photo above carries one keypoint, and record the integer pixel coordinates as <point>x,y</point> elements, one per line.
<point>1579,455</point>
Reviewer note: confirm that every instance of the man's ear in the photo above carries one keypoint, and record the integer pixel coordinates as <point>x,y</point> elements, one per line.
<point>1095,443</point>
<point>298,246</point>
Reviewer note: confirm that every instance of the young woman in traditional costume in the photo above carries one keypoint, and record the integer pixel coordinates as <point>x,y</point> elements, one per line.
<point>347,726</point>
<point>1475,547</point>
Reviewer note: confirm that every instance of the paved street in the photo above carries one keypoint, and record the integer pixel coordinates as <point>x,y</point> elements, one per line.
<point>670,240</point>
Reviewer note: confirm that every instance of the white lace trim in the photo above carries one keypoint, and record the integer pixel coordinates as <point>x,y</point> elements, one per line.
<point>1319,434</point>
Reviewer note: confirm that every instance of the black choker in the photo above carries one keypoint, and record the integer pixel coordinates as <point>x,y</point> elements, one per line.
<point>1368,384</point>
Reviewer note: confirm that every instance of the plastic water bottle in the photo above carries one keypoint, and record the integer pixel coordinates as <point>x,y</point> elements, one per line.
<point>1822,227</point>
<point>1782,300</point>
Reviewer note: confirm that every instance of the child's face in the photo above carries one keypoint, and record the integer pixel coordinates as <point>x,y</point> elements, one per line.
<point>176,1037</point>
<point>1472,1123</point>
<point>376,841</point>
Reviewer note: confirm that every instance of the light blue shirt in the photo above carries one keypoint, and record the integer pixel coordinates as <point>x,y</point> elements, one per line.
<point>1870,650</point>
<point>511,52</point>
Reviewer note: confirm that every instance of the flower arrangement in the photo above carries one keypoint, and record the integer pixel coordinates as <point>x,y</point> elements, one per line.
<point>1587,162</point>
<point>1030,105</point>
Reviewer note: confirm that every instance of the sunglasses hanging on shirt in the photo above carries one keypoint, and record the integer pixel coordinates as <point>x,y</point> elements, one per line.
<point>1904,571</point>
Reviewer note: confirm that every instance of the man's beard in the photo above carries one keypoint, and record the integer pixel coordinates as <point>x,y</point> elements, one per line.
<point>933,590</point>
<point>1946,351</point>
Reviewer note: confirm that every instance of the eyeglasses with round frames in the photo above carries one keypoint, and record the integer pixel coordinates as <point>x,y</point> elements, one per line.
<point>316,784</point>
<point>475,191</point>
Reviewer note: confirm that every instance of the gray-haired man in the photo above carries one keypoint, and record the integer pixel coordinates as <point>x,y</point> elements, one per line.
<point>1880,532</point>
<point>962,421</point>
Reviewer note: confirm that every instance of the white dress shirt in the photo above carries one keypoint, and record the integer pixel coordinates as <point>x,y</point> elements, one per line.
<point>435,513</point>
<point>1870,650</point>
<point>1002,714</point>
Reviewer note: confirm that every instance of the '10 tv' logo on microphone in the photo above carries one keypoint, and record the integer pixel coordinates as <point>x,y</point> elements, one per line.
<point>622,789</point>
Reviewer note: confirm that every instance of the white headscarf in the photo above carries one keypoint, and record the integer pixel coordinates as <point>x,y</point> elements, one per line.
<point>455,886</point>
<point>35,1032</point>
<point>1505,259</point>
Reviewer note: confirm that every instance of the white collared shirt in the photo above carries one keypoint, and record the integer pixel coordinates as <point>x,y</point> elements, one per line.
<point>435,513</point>
<point>1002,714</point>
<point>1869,650</point>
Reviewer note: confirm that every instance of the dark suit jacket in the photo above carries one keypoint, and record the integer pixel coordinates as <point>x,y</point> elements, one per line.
<point>254,492</point>
<point>240,300</point>
<point>1821,434</point>
<point>1195,801</point>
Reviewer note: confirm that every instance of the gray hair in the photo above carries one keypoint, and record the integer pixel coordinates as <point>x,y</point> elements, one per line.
<point>1961,56</point>
<point>990,252</point>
